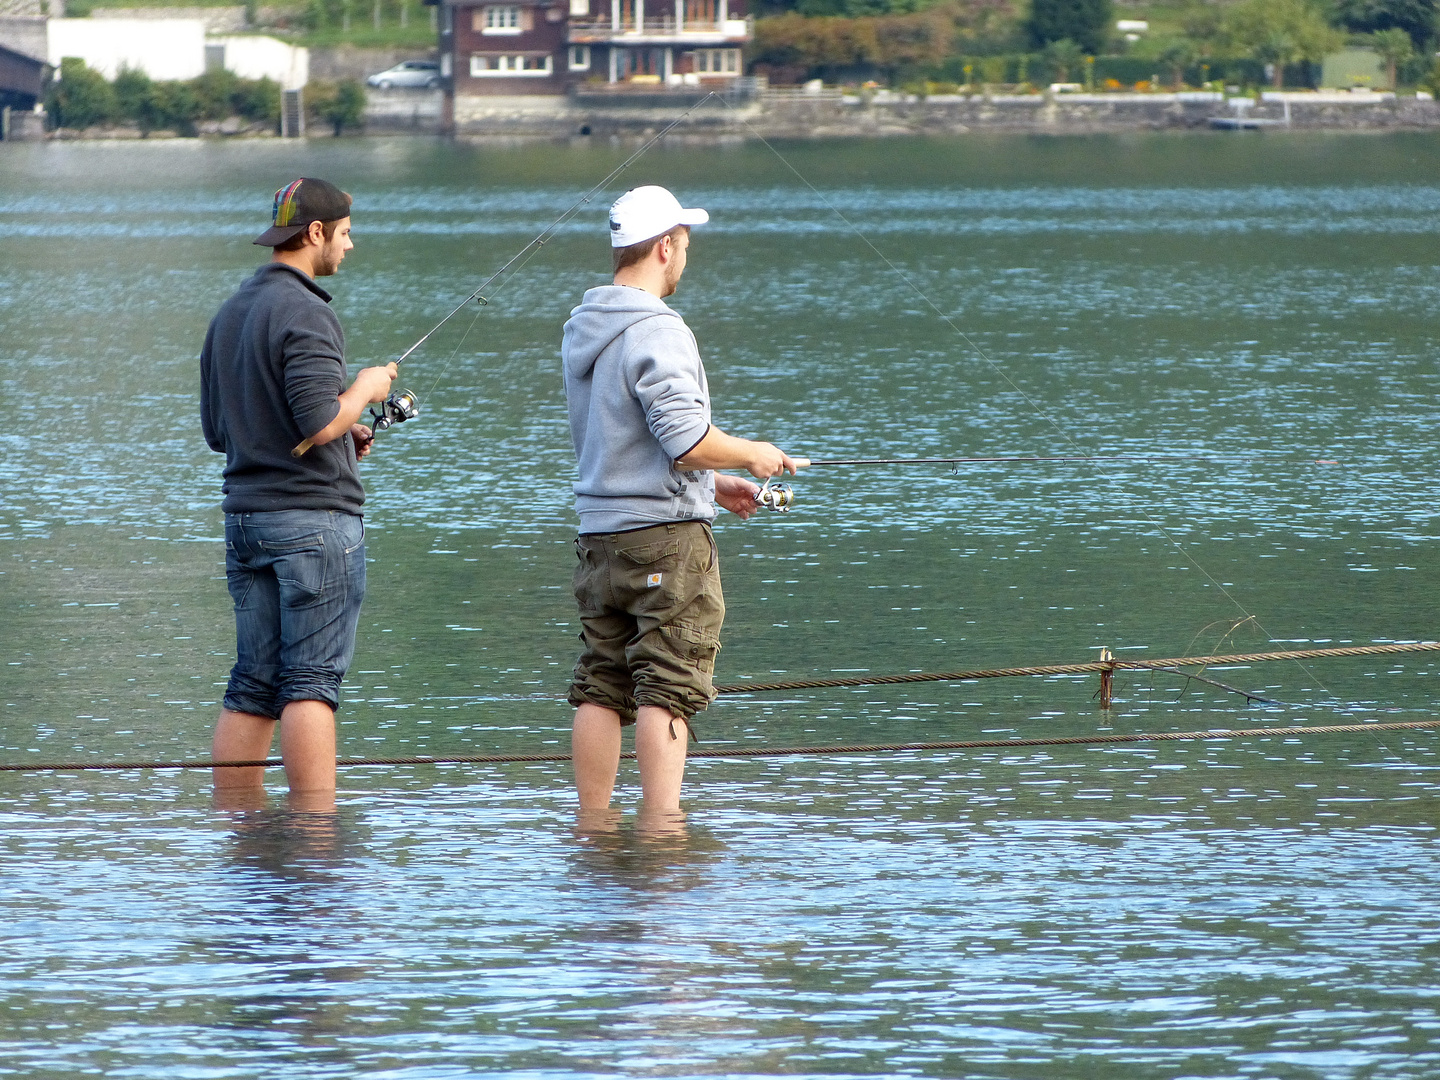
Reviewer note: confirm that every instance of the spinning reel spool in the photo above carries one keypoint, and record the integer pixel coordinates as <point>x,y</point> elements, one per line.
<point>779,497</point>
<point>400,406</point>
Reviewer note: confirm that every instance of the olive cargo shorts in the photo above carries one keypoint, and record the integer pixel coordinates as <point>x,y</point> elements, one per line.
<point>650,612</point>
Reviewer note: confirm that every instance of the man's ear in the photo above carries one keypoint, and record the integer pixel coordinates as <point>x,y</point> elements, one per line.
<point>316,232</point>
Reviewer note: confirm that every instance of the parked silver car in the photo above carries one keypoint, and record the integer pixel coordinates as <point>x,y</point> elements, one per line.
<point>423,73</point>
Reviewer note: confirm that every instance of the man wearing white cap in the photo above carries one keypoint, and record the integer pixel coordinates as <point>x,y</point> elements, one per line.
<point>648,579</point>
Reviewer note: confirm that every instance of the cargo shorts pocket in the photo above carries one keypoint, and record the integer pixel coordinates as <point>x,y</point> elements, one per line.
<point>587,583</point>
<point>696,645</point>
<point>650,554</point>
<point>651,573</point>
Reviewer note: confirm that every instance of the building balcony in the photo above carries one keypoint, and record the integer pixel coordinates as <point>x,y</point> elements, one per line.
<point>659,30</point>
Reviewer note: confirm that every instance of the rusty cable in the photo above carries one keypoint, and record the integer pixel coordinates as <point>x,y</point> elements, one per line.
<point>769,751</point>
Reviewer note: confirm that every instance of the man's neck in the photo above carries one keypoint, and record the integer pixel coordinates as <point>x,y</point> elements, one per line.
<point>298,260</point>
<point>637,277</point>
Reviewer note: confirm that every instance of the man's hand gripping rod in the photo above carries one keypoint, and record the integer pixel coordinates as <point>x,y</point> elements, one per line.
<point>780,497</point>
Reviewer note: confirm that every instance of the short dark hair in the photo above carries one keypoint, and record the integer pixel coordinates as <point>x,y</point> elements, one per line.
<point>296,242</point>
<point>636,253</point>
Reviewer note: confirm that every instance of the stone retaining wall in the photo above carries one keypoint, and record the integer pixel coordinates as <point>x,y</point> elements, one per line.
<point>404,111</point>
<point>797,115</point>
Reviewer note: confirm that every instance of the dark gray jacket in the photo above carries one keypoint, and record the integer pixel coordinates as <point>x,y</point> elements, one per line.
<point>271,370</point>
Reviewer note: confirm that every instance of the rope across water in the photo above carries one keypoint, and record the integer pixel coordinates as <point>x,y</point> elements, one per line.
<point>1088,667</point>
<point>772,751</point>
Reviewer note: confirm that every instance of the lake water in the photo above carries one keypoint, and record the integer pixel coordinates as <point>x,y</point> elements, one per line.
<point>1240,306</point>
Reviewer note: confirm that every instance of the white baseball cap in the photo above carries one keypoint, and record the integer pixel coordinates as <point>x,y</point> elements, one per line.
<point>646,212</point>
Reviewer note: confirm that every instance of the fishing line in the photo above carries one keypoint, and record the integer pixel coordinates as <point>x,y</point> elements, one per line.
<point>526,253</point>
<point>1035,406</point>
<point>402,405</point>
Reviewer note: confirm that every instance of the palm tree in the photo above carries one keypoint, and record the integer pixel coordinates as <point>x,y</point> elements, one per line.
<point>1178,54</point>
<point>1064,56</point>
<point>1395,48</point>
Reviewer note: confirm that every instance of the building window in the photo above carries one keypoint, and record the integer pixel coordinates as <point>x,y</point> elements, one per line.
<point>505,65</point>
<point>579,9</point>
<point>500,19</point>
<point>579,57</point>
<point>717,61</point>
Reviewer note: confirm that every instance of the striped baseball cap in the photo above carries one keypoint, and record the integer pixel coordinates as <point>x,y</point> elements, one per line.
<point>299,203</point>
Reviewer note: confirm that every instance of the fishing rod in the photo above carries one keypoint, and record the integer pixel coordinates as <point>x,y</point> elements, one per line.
<point>781,497</point>
<point>1148,459</point>
<point>404,405</point>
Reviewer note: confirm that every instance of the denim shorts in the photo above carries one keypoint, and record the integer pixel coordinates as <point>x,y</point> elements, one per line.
<point>297,578</point>
<point>651,609</point>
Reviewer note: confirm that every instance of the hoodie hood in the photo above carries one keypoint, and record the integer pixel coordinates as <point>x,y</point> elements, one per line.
<point>605,313</point>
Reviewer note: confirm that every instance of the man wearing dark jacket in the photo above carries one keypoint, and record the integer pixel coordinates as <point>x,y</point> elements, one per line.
<point>272,378</point>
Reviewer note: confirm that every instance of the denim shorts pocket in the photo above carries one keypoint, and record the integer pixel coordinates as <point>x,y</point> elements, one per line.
<point>358,543</point>
<point>299,570</point>
<point>306,541</point>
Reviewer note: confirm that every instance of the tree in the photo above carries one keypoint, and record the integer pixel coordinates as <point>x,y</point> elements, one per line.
<point>1280,32</point>
<point>1085,22</point>
<point>1415,17</point>
<point>1203,24</point>
<point>1394,48</point>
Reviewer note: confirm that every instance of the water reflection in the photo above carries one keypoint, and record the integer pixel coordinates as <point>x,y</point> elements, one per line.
<point>296,842</point>
<point>658,852</point>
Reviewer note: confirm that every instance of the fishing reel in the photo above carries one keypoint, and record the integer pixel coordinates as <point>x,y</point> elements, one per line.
<point>779,498</point>
<point>400,406</point>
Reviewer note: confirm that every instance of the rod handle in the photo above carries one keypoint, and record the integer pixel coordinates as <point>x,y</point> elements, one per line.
<point>301,450</point>
<point>801,462</point>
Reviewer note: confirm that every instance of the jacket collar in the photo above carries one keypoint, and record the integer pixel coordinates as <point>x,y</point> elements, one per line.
<point>304,278</point>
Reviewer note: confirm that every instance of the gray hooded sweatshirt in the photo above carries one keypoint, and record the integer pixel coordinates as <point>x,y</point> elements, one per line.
<point>638,400</point>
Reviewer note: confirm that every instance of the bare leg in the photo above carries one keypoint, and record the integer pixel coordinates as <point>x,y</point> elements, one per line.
<point>307,746</point>
<point>661,757</point>
<point>241,737</point>
<point>595,747</point>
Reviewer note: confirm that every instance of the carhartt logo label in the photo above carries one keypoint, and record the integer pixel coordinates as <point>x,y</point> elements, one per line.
<point>653,581</point>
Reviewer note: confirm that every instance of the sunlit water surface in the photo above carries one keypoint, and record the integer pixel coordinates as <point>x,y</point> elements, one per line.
<point>1237,307</point>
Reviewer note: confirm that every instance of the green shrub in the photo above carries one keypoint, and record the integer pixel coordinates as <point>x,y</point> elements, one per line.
<point>340,104</point>
<point>215,93</point>
<point>133,91</point>
<point>177,106</point>
<point>80,97</point>
<point>257,99</point>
